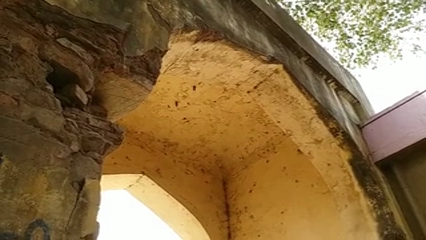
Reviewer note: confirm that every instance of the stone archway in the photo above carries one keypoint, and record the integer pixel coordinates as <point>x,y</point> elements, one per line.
<point>231,137</point>
<point>237,138</point>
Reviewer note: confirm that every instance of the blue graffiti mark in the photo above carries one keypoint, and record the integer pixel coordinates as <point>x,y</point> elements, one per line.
<point>39,223</point>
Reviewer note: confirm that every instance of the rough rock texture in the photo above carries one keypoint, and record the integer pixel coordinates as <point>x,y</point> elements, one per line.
<point>53,135</point>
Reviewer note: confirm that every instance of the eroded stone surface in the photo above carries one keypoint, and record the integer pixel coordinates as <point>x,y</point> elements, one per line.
<point>68,67</point>
<point>73,95</point>
<point>53,137</point>
<point>77,49</point>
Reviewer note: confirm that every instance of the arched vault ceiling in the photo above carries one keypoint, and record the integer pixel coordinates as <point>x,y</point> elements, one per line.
<point>201,105</point>
<point>215,111</point>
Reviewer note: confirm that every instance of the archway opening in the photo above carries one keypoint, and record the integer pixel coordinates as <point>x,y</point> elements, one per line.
<point>232,139</point>
<point>135,207</point>
<point>122,216</point>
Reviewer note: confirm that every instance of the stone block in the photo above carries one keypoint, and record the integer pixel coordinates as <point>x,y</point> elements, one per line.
<point>68,66</point>
<point>85,167</point>
<point>47,120</point>
<point>83,219</point>
<point>119,95</point>
<point>93,142</point>
<point>77,49</point>
<point>74,95</point>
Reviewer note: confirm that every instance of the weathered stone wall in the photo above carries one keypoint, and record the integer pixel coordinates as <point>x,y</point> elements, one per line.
<point>53,134</point>
<point>283,196</point>
<point>405,173</point>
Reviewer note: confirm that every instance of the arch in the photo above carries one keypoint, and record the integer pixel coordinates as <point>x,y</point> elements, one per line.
<point>222,121</point>
<point>218,133</point>
<point>159,201</point>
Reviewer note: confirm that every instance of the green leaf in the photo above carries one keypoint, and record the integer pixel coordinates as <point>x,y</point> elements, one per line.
<point>360,30</point>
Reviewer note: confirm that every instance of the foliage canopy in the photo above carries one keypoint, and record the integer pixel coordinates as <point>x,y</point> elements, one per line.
<point>360,31</point>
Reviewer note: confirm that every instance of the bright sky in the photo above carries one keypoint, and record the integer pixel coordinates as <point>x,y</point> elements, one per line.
<point>123,217</point>
<point>393,81</point>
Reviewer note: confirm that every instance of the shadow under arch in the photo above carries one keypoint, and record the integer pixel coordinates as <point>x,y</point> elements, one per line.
<point>159,201</point>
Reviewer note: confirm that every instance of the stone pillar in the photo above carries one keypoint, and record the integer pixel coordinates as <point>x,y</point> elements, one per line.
<point>53,132</point>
